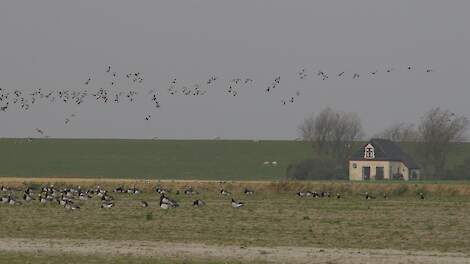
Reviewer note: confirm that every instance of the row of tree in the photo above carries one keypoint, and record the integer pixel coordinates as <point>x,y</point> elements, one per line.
<point>333,136</point>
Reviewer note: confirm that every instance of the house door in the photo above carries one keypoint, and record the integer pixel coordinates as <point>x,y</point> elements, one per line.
<point>379,173</point>
<point>366,173</point>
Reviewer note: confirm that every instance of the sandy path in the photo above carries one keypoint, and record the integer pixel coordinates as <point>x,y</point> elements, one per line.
<point>274,255</point>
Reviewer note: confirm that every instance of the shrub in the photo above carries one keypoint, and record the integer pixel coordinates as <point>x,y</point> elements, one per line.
<point>316,169</point>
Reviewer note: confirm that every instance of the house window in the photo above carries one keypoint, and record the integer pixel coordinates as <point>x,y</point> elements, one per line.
<point>354,166</point>
<point>369,152</point>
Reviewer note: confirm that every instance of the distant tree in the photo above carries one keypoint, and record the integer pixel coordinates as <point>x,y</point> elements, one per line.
<point>307,128</point>
<point>331,133</point>
<point>438,130</point>
<point>400,132</point>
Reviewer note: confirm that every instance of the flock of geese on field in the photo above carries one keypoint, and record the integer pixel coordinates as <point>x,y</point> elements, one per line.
<point>125,87</point>
<point>68,196</point>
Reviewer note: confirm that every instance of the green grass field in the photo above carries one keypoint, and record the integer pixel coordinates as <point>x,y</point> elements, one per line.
<point>155,159</point>
<point>160,159</point>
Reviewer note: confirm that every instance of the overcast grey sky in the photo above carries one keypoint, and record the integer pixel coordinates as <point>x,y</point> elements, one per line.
<point>58,44</point>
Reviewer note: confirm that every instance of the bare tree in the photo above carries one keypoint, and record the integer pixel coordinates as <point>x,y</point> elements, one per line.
<point>400,132</point>
<point>306,129</point>
<point>331,133</point>
<point>438,130</point>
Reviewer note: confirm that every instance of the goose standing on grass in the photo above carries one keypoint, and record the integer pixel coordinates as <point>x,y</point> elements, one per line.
<point>6,199</point>
<point>304,194</point>
<point>27,197</point>
<point>225,192</point>
<point>107,205</point>
<point>199,203</point>
<point>385,196</point>
<point>248,191</point>
<point>161,190</point>
<point>338,196</point>
<point>166,203</point>
<point>13,201</point>
<point>144,204</point>
<point>368,196</point>
<point>69,206</point>
<point>133,190</point>
<point>190,191</point>
<point>237,204</point>
<point>421,196</point>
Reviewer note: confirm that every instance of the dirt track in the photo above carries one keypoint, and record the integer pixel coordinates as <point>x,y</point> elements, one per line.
<point>274,255</point>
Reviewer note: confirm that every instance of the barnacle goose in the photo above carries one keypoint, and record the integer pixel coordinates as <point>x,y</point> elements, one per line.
<point>304,194</point>
<point>42,198</point>
<point>161,190</point>
<point>144,204</point>
<point>368,196</point>
<point>237,204</point>
<point>119,189</point>
<point>190,191</point>
<point>106,198</point>
<point>107,205</point>
<point>84,196</point>
<point>421,196</point>
<point>70,206</point>
<point>166,203</point>
<point>248,191</point>
<point>27,197</point>
<point>133,190</point>
<point>198,203</point>
<point>338,196</point>
<point>13,201</point>
<point>225,192</point>
<point>6,199</point>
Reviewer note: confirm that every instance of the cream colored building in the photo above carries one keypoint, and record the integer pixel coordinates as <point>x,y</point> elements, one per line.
<point>382,159</point>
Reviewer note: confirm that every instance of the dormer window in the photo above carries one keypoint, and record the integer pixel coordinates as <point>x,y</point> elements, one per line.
<point>369,152</point>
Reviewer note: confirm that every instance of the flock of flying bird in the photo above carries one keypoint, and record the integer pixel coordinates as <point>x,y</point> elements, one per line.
<point>68,197</point>
<point>120,88</point>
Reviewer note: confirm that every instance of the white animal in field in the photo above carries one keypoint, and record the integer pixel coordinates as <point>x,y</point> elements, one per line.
<point>274,163</point>
<point>266,163</point>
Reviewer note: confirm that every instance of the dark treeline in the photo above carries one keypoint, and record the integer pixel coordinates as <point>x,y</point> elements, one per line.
<point>436,142</point>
